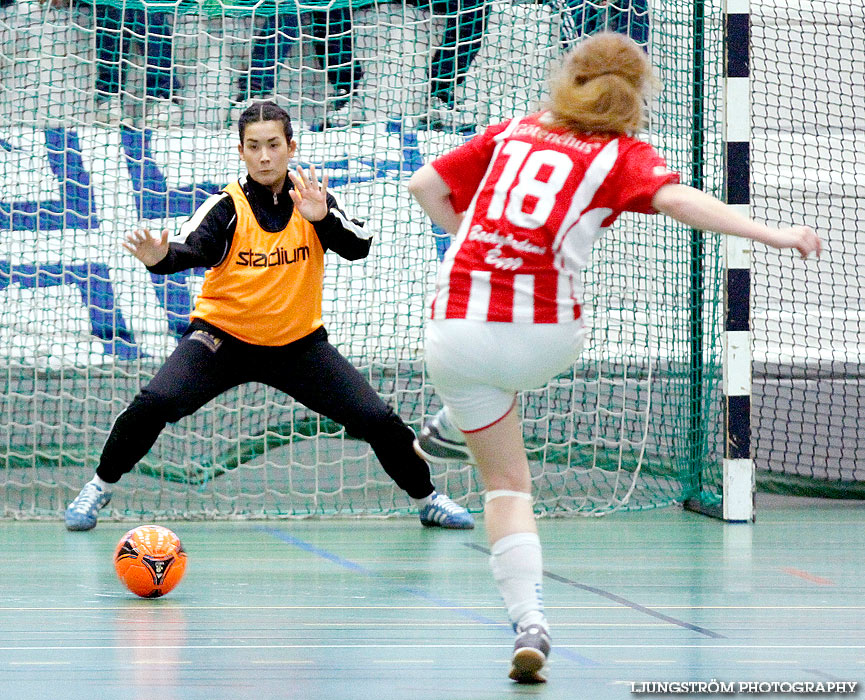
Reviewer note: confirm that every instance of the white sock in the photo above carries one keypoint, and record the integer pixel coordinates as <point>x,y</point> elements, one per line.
<point>104,485</point>
<point>421,502</point>
<point>518,571</point>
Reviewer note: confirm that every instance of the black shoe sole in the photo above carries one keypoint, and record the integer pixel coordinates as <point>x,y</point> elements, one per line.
<point>453,456</point>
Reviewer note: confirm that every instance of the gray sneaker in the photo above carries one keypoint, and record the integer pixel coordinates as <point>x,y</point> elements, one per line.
<point>81,513</point>
<point>531,649</point>
<point>441,441</point>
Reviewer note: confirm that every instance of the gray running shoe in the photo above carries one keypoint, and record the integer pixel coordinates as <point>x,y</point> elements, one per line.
<point>441,441</point>
<point>81,513</point>
<point>531,649</point>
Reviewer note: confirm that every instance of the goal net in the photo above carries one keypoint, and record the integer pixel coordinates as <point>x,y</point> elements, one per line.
<point>809,327</point>
<point>113,116</point>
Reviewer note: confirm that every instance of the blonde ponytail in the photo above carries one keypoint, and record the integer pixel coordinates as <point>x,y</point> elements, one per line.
<point>602,86</point>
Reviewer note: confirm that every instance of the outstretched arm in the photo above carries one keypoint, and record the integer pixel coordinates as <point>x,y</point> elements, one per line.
<point>345,237</point>
<point>433,194</point>
<point>203,240</point>
<point>145,247</point>
<point>309,195</point>
<point>703,211</point>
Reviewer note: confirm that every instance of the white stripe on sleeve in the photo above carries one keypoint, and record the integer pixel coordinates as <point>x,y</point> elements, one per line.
<point>349,225</point>
<point>194,221</point>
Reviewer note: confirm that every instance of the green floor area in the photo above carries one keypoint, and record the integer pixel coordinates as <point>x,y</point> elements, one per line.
<point>385,609</point>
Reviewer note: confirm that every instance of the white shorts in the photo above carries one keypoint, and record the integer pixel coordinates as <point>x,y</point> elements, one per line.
<point>477,368</point>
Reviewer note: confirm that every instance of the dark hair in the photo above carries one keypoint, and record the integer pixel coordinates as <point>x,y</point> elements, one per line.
<point>265,112</point>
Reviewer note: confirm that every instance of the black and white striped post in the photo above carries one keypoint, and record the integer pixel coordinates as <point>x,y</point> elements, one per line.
<point>738,465</point>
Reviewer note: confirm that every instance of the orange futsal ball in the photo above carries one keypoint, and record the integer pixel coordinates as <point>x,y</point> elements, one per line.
<point>150,560</point>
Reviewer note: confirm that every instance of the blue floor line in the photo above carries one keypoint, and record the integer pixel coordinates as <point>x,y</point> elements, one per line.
<point>417,592</point>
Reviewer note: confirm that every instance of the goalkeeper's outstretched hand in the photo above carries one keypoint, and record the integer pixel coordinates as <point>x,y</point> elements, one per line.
<point>145,247</point>
<point>309,195</point>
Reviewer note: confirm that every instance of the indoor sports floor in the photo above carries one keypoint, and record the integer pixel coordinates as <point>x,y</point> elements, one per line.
<point>386,610</point>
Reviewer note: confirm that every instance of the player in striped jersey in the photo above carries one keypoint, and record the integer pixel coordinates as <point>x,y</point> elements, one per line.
<point>525,201</point>
<point>258,319</point>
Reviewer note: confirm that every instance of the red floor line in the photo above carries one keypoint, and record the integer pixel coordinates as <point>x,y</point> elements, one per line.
<point>819,580</point>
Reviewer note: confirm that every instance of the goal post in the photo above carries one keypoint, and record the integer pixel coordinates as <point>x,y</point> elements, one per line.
<point>737,478</point>
<point>638,422</point>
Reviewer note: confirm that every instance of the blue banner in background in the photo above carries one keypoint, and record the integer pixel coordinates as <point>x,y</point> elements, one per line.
<point>139,179</point>
<point>75,208</point>
<point>97,295</point>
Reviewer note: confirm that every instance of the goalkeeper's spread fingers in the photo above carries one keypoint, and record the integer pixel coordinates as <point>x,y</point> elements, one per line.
<point>303,181</point>
<point>298,178</point>
<point>320,186</point>
<point>141,235</point>
<point>313,179</point>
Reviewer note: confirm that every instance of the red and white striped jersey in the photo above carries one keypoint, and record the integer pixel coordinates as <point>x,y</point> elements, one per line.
<point>535,198</point>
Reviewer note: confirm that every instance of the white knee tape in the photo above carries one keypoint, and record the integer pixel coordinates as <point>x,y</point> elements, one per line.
<point>501,493</point>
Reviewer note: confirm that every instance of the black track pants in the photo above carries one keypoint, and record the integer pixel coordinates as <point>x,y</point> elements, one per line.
<point>208,362</point>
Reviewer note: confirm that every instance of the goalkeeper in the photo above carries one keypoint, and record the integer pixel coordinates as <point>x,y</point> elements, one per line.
<point>258,319</point>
